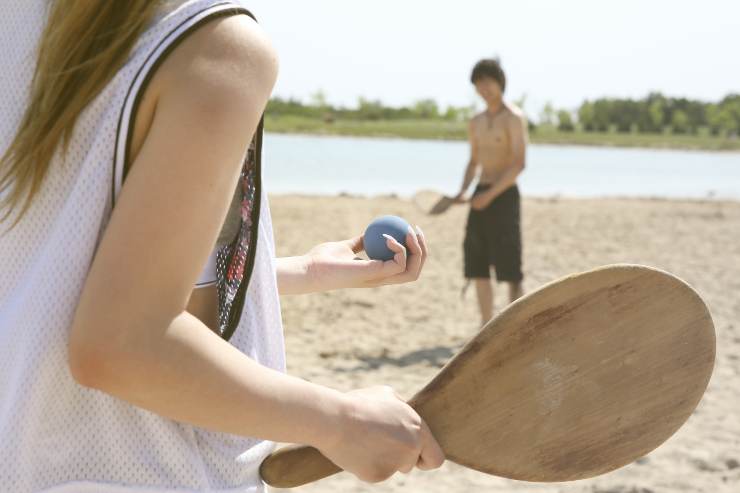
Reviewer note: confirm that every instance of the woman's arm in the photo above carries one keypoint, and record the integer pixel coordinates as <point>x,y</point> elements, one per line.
<point>132,337</point>
<point>335,265</point>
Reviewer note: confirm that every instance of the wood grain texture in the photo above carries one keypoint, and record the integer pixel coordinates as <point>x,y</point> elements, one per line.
<point>576,379</point>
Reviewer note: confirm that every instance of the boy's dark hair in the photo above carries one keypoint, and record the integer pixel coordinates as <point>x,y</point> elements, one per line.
<point>489,67</point>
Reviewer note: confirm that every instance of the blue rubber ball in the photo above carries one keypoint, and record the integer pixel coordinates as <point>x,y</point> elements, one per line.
<point>375,243</point>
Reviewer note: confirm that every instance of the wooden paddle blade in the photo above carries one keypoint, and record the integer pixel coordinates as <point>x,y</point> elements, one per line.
<point>441,206</point>
<point>296,465</point>
<point>576,379</point>
<point>432,202</point>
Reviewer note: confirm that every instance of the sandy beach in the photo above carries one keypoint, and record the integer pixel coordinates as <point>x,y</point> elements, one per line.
<point>402,335</point>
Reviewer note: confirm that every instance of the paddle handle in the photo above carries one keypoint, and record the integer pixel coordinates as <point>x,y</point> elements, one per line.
<point>296,465</point>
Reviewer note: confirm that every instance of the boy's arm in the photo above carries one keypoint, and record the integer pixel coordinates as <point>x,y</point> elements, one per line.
<point>472,168</point>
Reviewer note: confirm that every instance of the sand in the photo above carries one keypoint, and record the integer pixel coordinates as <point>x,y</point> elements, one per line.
<point>402,335</point>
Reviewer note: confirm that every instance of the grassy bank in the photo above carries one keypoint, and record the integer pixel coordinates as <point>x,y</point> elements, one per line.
<point>436,129</point>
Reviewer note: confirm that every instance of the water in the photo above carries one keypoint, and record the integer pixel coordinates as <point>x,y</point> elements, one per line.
<point>365,166</point>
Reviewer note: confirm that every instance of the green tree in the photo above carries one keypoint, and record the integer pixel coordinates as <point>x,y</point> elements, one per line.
<point>602,113</point>
<point>369,110</point>
<point>729,114</point>
<point>547,115</point>
<point>279,106</point>
<point>728,121</point>
<point>656,114</point>
<point>586,116</point>
<point>452,114</point>
<point>680,122</point>
<point>565,121</point>
<point>426,108</point>
<point>713,119</point>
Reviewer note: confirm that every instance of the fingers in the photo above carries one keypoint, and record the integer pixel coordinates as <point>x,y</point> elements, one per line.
<point>407,262</point>
<point>355,244</point>
<point>401,440</point>
<point>429,453</point>
<point>415,455</point>
<point>423,244</point>
<point>399,255</point>
<point>432,456</point>
<point>417,256</point>
<point>412,240</point>
<point>409,466</point>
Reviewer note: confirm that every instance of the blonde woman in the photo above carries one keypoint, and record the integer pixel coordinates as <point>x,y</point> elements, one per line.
<point>141,343</point>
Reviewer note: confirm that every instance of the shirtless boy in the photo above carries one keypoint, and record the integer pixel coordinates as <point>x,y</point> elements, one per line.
<point>498,139</point>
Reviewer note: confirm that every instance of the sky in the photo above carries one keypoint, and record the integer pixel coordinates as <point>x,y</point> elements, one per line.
<point>557,51</point>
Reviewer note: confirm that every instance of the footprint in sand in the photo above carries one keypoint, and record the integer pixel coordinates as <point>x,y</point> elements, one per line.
<point>704,466</point>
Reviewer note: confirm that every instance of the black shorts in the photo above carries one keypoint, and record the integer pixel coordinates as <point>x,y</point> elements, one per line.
<point>493,237</point>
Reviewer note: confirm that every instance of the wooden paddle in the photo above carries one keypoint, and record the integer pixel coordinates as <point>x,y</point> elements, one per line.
<point>576,379</point>
<point>432,202</point>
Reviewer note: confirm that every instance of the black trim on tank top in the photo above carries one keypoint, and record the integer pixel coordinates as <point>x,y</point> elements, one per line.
<point>152,70</point>
<point>238,305</point>
<point>241,293</point>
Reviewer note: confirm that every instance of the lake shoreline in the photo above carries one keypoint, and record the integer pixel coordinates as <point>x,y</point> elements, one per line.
<point>456,132</point>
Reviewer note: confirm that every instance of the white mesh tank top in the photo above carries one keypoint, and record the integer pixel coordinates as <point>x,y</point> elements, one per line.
<point>55,435</point>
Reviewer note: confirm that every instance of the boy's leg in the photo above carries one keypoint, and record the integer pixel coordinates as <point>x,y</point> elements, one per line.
<point>515,291</point>
<point>477,268</point>
<point>506,241</point>
<point>484,290</point>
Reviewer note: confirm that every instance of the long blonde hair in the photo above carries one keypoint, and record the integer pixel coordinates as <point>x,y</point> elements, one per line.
<point>83,45</point>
